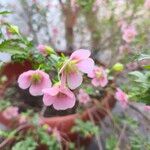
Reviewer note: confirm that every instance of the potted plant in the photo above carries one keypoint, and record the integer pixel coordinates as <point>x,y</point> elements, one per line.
<point>48,95</point>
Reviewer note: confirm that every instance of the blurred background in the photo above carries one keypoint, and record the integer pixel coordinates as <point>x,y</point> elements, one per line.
<point>67,25</point>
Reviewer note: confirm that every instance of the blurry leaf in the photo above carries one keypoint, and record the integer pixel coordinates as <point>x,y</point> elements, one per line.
<point>140,76</point>
<point>11,46</point>
<point>111,143</point>
<point>85,128</point>
<point>27,144</point>
<point>147,67</point>
<point>143,56</point>
<point>13,29</point>
<point>5,12</point>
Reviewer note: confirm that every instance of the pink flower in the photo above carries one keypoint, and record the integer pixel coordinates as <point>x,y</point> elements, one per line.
<point>132,66</point>
<point>147,4</point>
<point>78,63</point>
<point>37,80</point>
<point>59,96</point>
<point>129,34</point>
<point>147,108</point>
<point>44,49</point>
<point>55,31</point>
<point>83,97</point>
<point>122,97</point>
<point>99,76</point>
<point>11,112</point>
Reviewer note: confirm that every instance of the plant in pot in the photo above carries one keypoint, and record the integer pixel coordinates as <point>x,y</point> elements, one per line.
<point>57,99</point>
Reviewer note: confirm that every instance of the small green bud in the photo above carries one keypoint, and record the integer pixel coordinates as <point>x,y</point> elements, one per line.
<point>13,29</point>
<point>45,126</point>
<point>49,49</point>
<point>118,67</point>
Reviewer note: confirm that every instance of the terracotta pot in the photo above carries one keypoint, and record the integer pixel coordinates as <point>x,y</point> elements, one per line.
<point>95,113</point>
<point>12,71</point>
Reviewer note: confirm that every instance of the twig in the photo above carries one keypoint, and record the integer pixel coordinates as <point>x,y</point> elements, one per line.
<point>121,135</point>
<point>97,138</point>
<point>43,110</point>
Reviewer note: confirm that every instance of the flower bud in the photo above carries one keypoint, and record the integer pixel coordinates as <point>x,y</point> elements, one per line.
<point>13,29</point>
<point>49,49</point>
<point>118,67</point>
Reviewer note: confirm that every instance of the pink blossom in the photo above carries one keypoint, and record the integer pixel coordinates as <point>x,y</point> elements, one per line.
<point>147,108</point>
<point>83,97</point>
<point>42,49</point>
<point>59,96</point>
<point>132,66</point>
<point>129,34</point>
<point>11,112</point>
<point>55,31</point>
<point>122,97</point>
<point>99,76</point>
<point>78,63</point>
<point>35,80</point>
<point>147,4</point>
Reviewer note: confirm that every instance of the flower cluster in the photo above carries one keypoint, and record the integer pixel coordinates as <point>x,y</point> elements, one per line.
<point>60,94</point>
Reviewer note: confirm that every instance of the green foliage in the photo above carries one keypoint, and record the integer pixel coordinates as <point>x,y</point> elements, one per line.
<point>5,12</point>
<point>11,46</point>
<point>144,57</point>
<point>111,142</point>
<point>140,89</point>
<point>4,104</point>
<point>26,144</point>
<point>85,129</point>
<point>48,139</point>
<point>87,5</point>
<point>89,90</point>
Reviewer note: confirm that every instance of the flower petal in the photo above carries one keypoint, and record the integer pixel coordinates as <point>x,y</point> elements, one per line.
<point>36,90</point>
<point>74,80</point>
<point>51,91</point>
<point>48,100</point>
<point>64,103</point>
<point>24,79</point>
<point>86,65</point>
<point>103,81</point>
<point>95,82</point>
<point>80,54</point>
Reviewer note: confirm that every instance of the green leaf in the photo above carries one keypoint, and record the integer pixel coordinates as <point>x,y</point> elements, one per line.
<point>5,12</point>
<point>13,29</point>
<point>144,56</point>
<point>12,46</point>
<point>85,128</point>
<point>147,67</point>
<point>140,76</point>
<point>27,144</point>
